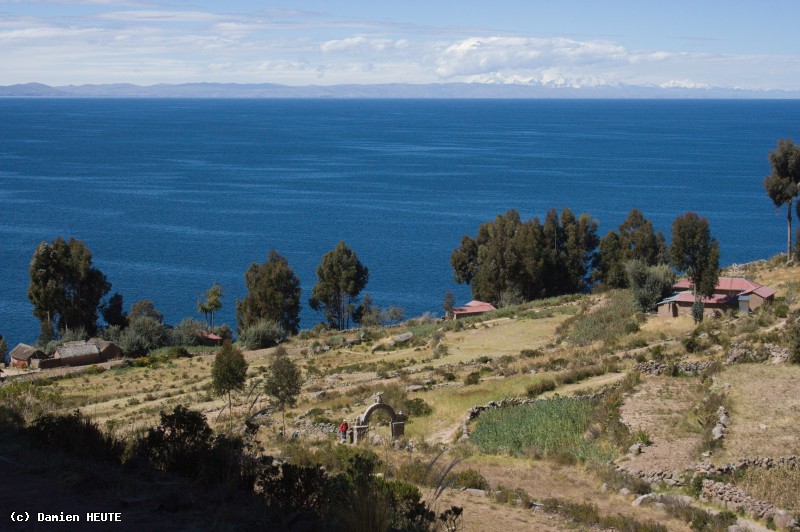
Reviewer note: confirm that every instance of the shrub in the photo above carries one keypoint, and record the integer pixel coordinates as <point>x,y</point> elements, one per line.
<point>262,334</point>
<point>179,443</point>
<point>188,332</point>
<point>29,399</point>
<point>541,386</point>
<point>417,407</point>
<point>649,284</point>
<point>531,353</point>
<point>472,378</point>
<point>469,478</point>
<point>76,435</point>
<point>142,335</point>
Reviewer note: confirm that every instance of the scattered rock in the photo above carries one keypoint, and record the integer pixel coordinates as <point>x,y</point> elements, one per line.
<point>636,448</point>
<point>476,492</point>
<point>414,388</point>
<point>400,338</point>
<point>624,491</point>
<point>642,499</point>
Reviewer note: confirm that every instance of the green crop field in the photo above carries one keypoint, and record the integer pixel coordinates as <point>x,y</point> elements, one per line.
<point>545,427</point>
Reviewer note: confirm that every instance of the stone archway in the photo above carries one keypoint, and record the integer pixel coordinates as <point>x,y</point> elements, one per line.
<point>397,423</point>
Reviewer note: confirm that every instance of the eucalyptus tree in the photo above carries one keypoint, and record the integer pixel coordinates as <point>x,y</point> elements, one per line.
<point>273,294</point>
<point>340,279</point>
<point>211,302</point>
<point>65,288</point>
<point>228,373</point>
<point>782,183</point>
<point>635,240</point>
<point>696,253</point>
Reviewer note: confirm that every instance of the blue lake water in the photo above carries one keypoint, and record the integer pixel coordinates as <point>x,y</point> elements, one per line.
<point>174,195</point>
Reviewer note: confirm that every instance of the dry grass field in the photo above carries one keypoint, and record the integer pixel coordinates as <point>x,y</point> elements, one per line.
<point>765,402</point>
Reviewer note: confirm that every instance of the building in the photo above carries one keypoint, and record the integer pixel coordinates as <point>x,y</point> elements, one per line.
<point>77,353</point>
<point>107,349</point>
<point>25,356</point>
<point>473,308</point>
<point>730,293</point>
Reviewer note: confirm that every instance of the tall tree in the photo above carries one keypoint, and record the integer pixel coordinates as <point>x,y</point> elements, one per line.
<point>694,251</point>
<point>636,240</point>
<point>65,288</point>
<point>228,373</point>
<point>448,302</point>
<point>273,293</point>
<point>144,308</point>
<point>211,302</point>
<point>283,383</point>
<point>782,184</point>
<point>511,259</point>
<point>340,279</point>
<point>113,313</point>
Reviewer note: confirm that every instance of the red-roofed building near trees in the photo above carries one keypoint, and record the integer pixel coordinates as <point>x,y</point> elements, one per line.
<point>730,293</point>
<point>473,308</point>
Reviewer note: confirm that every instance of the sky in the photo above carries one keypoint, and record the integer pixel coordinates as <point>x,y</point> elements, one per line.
<point>680,43</point>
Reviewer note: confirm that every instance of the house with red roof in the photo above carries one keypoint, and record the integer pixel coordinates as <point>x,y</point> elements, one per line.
<point>730,293</point>
<point>473,308</point>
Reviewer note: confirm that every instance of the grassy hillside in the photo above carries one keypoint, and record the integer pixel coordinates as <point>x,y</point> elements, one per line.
<point>582,364</point>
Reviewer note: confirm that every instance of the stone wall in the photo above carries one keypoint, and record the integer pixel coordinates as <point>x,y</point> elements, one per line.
<point>734,499</point>
<point>652,367</point>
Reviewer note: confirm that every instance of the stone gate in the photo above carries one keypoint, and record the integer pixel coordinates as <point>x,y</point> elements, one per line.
<point>397,423</point>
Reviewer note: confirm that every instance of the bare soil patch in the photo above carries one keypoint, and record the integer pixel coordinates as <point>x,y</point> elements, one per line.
<point>764,401</point>
<point>662,409</point>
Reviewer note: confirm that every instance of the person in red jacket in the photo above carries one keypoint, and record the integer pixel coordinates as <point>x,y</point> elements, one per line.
<point>343,430</point>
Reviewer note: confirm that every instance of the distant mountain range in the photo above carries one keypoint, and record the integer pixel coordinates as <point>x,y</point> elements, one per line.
<point>393,90</point>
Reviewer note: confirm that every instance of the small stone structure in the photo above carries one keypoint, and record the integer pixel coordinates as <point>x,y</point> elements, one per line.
<point>398,425</point>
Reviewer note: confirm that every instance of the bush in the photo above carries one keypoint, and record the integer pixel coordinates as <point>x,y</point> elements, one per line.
<point>262,334</point>
<point>649,284</point>
<point>76,435</point>
<point>541,386</point>
<point>142,335</point>
<point>469,478</point>
<point>188,332</point>
<point>531,353</point>
<point>179,443</point>
<point>417,407</point>
<point>29,399</point>
<point>472,378</point>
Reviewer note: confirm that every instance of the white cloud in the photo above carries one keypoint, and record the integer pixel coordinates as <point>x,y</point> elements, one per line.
<point>362,44</point>
<point>481,55</point>
<point>161,16</point>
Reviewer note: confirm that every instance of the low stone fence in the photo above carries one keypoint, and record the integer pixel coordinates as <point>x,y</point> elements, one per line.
<point>732,498</point>
<point>742,353</point>
<point>652,367</point>
<point>707,468</point>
